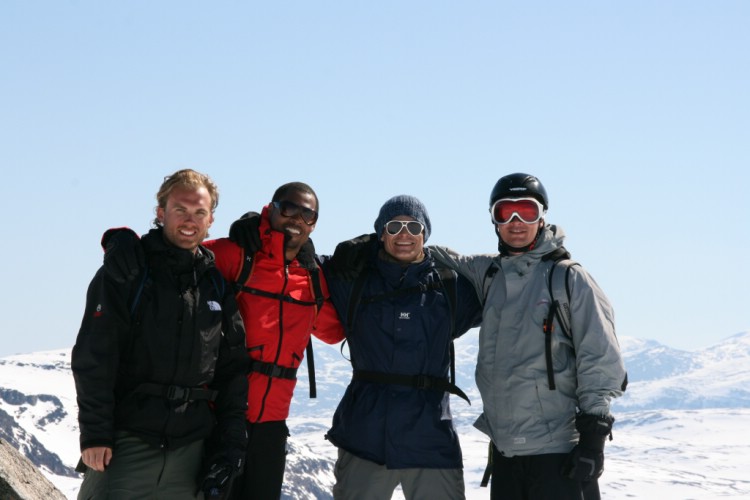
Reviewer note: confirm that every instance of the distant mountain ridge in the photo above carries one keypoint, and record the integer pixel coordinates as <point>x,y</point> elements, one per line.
<point>38,412</point>
<point>670,379</point>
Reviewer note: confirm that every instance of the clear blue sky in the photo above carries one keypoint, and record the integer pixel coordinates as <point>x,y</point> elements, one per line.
<point>635,115</point>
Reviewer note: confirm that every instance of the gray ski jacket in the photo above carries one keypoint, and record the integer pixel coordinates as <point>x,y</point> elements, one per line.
<point>521,414</point>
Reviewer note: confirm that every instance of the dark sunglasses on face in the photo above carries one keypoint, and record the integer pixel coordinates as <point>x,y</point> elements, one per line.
<point>396,226</point>
<point>528,210</point>
<point>289,209</point>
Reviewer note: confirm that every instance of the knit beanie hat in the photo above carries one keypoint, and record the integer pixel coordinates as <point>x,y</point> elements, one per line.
<point>403,205</point>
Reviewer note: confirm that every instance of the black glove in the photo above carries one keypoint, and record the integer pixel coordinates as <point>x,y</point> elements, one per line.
<point>123,254</point>
<point>585,462</point>
<point>352,256</point>
<point>218,481</point>
<point>244,231</point>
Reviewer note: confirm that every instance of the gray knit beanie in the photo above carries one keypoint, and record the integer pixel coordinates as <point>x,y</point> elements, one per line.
<point>403,205</point>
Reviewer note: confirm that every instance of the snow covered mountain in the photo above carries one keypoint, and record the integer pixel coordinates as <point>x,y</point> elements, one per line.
<point>664,378</point>
<point>681,428</point>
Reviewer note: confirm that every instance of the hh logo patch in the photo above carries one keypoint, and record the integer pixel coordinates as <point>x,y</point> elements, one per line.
<point>405,315</point>
<point>98,311</point>
<point>214,306</point>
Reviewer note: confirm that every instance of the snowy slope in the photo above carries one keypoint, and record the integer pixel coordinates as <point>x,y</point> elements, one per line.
<point>681,429</point>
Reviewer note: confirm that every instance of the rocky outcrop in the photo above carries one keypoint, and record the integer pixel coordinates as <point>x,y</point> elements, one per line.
<point>20,480</point>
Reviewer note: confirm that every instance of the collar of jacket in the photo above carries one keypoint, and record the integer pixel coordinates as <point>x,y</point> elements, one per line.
<point>160,252</point>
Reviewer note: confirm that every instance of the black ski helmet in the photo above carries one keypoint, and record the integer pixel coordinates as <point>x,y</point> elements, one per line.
<point>519,186</point>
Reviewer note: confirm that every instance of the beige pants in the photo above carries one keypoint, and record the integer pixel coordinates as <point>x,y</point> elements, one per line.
<point>358,479</point>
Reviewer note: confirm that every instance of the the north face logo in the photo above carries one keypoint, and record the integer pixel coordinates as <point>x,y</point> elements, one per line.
<point>404,315</point>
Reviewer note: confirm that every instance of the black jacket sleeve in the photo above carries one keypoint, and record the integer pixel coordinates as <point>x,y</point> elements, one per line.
<point>230,380</point>
<point>95,358</point>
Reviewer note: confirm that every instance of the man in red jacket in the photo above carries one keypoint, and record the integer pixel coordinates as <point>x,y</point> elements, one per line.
<point>278,307</point>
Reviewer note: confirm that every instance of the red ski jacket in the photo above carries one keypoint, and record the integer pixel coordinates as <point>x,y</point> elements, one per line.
<point>277,329</point>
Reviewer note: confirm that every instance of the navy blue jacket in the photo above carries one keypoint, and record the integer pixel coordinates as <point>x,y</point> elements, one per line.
<point>409,334</point>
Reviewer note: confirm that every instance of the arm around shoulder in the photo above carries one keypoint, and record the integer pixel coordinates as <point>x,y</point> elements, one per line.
<point>472,267</point>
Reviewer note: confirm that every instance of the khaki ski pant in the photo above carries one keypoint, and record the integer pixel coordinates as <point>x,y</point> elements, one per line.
<point>359,479</point>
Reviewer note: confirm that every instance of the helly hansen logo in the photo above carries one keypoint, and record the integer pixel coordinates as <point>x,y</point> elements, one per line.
<point>404,315</point>
<point>213,305</point>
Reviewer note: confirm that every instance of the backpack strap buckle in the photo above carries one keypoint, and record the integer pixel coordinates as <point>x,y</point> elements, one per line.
<point>177,393</point>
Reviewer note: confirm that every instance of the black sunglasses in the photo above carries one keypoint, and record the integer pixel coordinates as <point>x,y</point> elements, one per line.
<point>289,209</point>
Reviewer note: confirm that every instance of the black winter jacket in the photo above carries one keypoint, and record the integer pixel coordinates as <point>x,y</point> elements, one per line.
<point>143,344</point>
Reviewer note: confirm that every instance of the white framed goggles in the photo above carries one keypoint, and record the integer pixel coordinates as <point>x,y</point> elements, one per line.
<point>528,210</point>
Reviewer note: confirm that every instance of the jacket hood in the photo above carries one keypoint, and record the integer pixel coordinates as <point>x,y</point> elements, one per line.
<point>552,238</point>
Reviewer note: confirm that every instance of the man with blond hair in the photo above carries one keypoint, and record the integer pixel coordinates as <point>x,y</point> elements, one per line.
<point>159,363</point>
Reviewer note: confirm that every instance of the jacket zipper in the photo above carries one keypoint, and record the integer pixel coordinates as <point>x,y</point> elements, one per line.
<point>281,340</point>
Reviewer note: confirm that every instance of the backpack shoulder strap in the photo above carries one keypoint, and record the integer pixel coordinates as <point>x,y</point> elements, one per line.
<point>317,288</point>
<point>489,274</point>
<point>448,279</point>
<point>319,301</point>
<point>218,280</point>
<point>245,271</point>
<point>354,298</point>
<point>143,284</point>
<point>559,289</point>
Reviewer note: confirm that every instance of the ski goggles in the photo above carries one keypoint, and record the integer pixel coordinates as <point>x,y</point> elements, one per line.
<point>396,226</point>
<point>289,209</point>
<point>528,210</point>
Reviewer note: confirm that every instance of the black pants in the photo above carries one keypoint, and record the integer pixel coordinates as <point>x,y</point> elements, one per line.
<point>536,477</point>
<point>264,462</point>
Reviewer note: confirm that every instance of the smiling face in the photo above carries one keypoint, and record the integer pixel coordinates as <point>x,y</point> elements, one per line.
<point>296,230</point>
<point>186,217</point>
<point>517,234</point>
<point>404,246</point>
